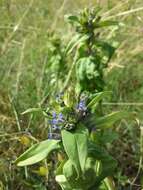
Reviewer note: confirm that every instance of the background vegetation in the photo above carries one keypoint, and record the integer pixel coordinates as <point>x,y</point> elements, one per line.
<point>25,40</point>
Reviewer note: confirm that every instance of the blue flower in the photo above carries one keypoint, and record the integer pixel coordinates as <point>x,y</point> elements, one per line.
<point>54,114</point>
<point>82,106</point>
<point>54,124</point>
<point>56,120</point>
<point>60,117</point>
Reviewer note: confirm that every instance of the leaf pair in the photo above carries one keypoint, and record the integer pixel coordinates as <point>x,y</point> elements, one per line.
<point>75,145</point>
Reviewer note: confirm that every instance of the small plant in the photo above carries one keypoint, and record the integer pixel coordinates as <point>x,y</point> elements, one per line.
<point>76,123</point>
<point>72,126</point>
<point>92,53</point>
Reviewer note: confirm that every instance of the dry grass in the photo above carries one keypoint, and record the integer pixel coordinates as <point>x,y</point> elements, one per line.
<point>24,27</point>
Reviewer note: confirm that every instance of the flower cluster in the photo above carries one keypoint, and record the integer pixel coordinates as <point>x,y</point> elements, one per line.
<point>82,106</point>
<point>58,121</point>
<point>56,124</point>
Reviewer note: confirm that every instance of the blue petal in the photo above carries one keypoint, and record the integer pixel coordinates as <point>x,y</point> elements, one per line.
<point>54,121</point>
<point>54,114</point>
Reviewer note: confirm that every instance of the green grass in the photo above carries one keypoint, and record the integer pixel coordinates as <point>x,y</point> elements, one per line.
<point>24,35</point>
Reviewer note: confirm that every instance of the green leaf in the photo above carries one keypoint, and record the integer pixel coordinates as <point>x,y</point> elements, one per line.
<point>71,18</point>
<point>59,169</point>
<point>105,136</point>
<point>37,152</point>
<point>107,49</point>
<point>98,96</point>
<point>110,119</point>
<point>90,171</point>
<point>109,182</point>
<point>75,145</point>
<point>107,163</point>
<point>32,110</point>
<point>71,176</point>
<point>105,23</point>
<point>70,172</point>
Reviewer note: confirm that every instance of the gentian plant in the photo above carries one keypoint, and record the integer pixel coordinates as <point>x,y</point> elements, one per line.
<point>91,52</point>
<point>73,128</point>
<point>76,122</point>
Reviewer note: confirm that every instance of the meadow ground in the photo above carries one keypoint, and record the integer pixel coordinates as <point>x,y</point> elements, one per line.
<point>24,33</point>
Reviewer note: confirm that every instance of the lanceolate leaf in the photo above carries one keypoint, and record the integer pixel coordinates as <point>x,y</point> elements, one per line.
<point>32,110</point>
<point>107,49</point>
<point>70,172</point>
<point>110,119</point>
<point>71,18</point>
<point>107,163</point>
<point>75,145</point>
<point>105,23</point>
<point>97,98</point>
<point>37,152</point>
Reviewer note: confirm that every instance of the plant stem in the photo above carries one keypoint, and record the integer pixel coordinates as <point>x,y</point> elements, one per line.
<point>70,72</point>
